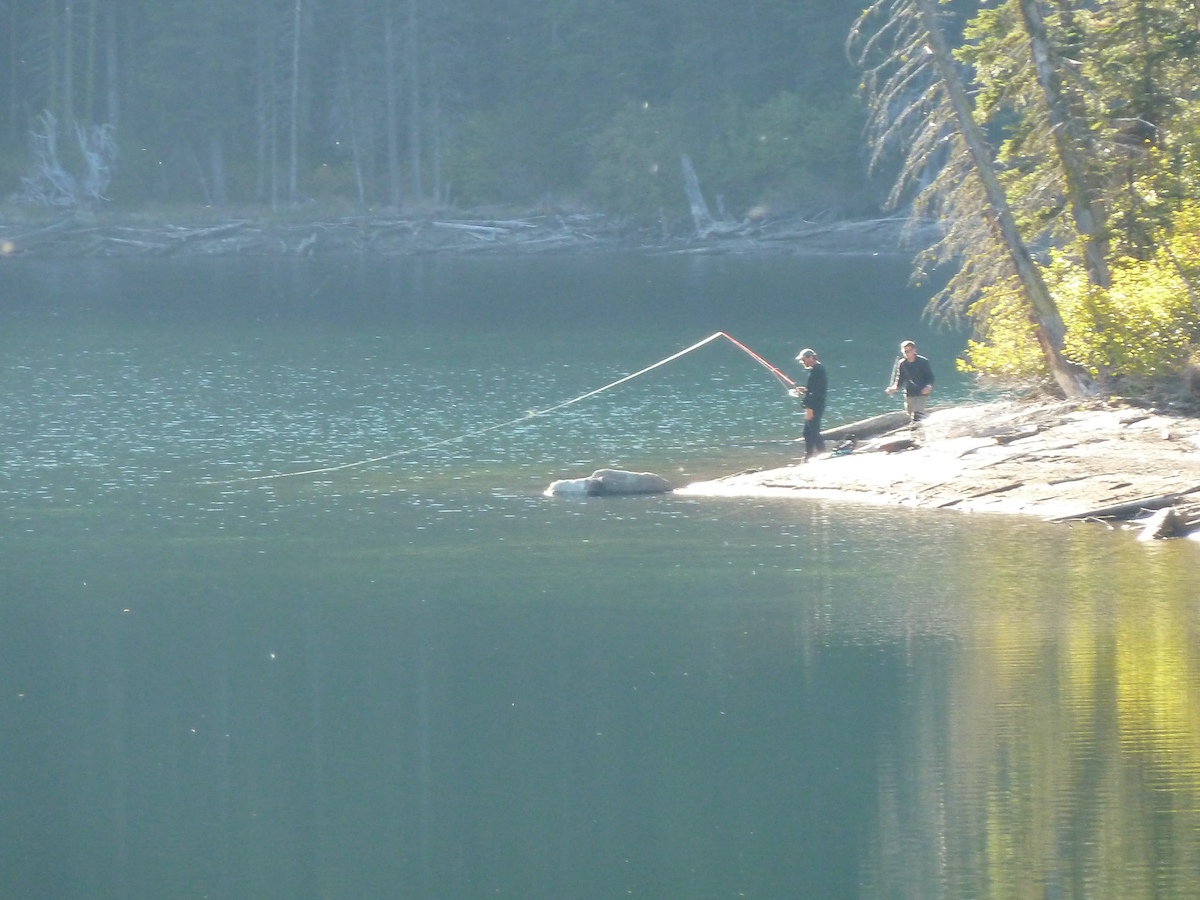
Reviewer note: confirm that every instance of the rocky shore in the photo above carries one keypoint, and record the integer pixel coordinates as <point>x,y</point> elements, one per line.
<point>1066,461</point>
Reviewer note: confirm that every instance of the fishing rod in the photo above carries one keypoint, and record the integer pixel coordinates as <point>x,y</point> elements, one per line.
<point>787,383</point>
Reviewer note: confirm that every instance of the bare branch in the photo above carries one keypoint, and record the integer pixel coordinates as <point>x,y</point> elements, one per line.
<point>51,181</point>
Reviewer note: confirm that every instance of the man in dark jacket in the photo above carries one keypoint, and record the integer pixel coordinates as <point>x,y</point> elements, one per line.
<point>812,394</point>
<point>915,375</point>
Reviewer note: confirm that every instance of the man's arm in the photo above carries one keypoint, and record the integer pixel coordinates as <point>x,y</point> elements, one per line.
<point>896,367</point>
<point>928,375</point>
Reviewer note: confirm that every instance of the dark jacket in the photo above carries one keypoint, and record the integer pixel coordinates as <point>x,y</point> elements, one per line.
<point>815,387</point>
<point>913,376</point>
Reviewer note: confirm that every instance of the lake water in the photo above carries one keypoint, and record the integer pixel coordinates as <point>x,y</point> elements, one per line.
<point>420,678</point>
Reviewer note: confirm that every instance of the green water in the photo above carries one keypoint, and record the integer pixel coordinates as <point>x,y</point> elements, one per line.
<point>422,679</point>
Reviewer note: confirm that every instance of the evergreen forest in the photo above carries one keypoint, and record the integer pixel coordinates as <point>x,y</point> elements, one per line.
<point>410,103</point>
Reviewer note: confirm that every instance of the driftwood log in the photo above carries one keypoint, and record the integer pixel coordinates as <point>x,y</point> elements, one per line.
<point>1162,524</point>
<point>864,429</point>
<point>1171,515</point>
<point>1130,509</point>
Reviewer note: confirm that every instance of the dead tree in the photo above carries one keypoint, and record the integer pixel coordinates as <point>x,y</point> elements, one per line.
<point>52,183</point>
<point>705,223</point>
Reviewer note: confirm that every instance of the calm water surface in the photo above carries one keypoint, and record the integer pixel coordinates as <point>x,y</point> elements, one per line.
<point>422,679</point>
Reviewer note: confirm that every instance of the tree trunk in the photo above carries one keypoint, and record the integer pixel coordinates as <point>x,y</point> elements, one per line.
<point>294,127</point>
<point>436,162</point>
<point>216,160</point>
<point>267,110</point>
<point>112,106</point>
<point>13,55</point>
<point>435,99</point>
<point>393,118</point>
<point>1072,140</point>
<point>414,103</point>
<point>358,170</point>
<point>350,95</point>
<point>68,80</point>
<point>89,75</point>
<point>691,185</point>
<point>1050,329</point>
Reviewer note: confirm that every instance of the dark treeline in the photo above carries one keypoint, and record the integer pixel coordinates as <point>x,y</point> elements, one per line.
<point>404,103</point>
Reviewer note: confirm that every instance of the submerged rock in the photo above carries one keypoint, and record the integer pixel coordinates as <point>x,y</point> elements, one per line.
<point>607,482</point>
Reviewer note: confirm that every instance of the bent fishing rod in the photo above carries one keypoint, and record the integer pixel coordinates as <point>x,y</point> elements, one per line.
<point>783,379</point>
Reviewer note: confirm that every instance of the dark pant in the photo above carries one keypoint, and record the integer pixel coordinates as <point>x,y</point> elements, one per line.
<point>813,442</point>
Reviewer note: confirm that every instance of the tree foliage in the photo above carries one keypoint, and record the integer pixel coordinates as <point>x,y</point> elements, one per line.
<point>1140,329</point>
<point>412,102</point>
<point>785,152</point>
<point>1090,112</point>
<point>916,58</point>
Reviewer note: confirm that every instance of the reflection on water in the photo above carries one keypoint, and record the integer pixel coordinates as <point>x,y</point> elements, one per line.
<point>1051,747</point>
<point>422,678</point>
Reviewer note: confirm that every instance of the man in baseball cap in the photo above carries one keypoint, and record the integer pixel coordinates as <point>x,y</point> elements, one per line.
<point>812,395</point>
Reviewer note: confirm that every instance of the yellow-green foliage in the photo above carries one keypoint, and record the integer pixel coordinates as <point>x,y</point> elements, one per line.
<point>1005,346</point>
<point>1143,327</point>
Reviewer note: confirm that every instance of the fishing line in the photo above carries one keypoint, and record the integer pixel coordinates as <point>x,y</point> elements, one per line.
<point>787,383</point>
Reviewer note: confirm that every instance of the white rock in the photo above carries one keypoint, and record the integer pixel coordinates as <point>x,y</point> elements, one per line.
<point>606,482</point>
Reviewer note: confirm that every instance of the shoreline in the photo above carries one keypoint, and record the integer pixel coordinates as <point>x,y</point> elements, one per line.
<point>1056,460</point>
<point>112,234</point>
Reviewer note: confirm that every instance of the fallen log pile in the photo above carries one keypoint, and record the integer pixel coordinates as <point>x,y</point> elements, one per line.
<point>381,236</point>
<point>115,235</point>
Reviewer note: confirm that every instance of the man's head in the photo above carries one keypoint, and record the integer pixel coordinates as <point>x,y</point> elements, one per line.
<point>807,356</point>
<point>909,349</point>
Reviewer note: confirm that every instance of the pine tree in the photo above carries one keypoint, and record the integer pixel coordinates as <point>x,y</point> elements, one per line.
<point>917,97</point>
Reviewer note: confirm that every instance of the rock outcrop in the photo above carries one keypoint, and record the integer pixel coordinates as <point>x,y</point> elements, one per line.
<point>1063,461</point>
